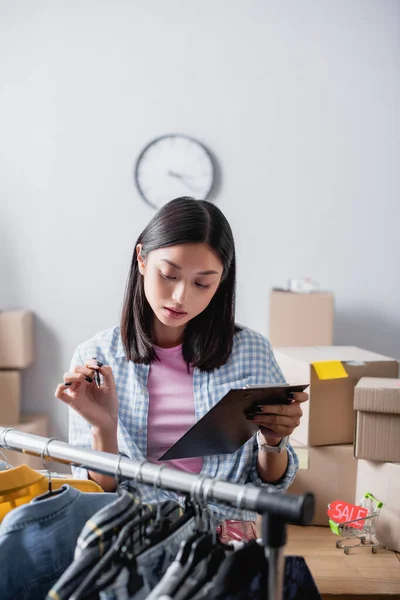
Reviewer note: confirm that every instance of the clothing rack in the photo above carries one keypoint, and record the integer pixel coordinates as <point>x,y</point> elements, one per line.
<point>277,509</point>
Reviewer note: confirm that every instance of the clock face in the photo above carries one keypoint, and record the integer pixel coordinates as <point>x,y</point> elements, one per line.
<point>172,166</point>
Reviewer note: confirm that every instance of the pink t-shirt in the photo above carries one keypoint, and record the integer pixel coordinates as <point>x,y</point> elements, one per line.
<point>171,407</point>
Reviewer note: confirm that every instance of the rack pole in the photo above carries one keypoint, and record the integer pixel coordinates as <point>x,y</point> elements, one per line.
<point>274,541</point>
<point>297,510</point>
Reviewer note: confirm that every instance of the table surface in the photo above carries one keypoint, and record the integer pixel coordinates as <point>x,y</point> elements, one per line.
<point>359,573</point>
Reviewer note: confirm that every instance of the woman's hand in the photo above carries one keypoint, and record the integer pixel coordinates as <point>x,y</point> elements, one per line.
<point>97,405</point>
<point>280,420</point>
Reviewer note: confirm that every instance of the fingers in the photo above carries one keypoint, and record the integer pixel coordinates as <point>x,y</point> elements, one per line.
<point>274,421</point>
<point>72,380</point>
<point>61,394</point>
<point>287,410</point>
<point>80,376</point>
<point>95,365</point>
<point>300,397</point>
<point>284,409</point>
<point>283,420</point>
<point>84,370</point>
<point>83,375</point>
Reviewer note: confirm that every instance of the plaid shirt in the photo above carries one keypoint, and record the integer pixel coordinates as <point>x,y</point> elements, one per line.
<point>251,362</point>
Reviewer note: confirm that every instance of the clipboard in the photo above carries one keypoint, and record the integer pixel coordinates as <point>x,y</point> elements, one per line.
<point>224,429</point>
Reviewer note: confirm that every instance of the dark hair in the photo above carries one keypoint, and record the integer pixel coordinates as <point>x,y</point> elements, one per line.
<point>208,338</point>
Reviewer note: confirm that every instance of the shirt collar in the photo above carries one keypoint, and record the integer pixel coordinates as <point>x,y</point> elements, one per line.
<point>18,478</point>
<point>120,353</point>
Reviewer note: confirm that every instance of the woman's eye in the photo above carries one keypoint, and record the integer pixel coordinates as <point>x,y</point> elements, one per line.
<point>167,277</point>
<point>202,286</point>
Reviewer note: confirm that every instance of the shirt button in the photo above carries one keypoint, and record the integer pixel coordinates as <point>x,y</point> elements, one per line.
<point>143,392</point>
<point>140,431</point>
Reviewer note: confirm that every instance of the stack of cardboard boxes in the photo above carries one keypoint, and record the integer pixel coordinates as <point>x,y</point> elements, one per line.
<point>17,354</point>
<point>377,448</point>
<point>348,442</point>
<point>324,440</point>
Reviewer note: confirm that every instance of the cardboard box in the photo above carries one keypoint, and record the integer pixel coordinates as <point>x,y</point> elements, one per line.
<point>297,319</point>
<point>37,425</point>
<point>16,339</point>
<point>382,480</point>
<point>387,528</point>
<point>377,402</point>
<point>10,397</point>
<point>330,473</point>
<point>332,372</point>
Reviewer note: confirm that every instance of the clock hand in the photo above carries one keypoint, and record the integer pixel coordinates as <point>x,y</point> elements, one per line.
<point>183,178</point>
<point>179,175</point>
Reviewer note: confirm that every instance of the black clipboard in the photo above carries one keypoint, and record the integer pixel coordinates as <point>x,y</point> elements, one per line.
<point>224,429</point>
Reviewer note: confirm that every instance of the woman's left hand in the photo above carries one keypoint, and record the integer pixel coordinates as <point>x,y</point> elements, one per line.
<point>279,420</point>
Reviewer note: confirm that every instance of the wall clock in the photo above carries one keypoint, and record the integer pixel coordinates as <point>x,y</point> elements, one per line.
<point>174,165</point>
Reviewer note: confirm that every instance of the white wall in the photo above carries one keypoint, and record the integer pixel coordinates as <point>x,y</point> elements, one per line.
<point>298,100</point>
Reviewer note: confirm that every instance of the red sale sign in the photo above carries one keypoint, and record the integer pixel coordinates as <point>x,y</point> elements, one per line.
<point>342,512</point>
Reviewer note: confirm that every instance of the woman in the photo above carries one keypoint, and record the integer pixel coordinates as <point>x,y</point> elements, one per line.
<point>176,353</point>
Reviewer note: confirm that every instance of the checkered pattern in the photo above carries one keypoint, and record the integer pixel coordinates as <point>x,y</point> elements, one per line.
<point>251,362</point>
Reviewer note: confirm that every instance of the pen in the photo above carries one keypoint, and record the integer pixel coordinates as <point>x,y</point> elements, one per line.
<point>96,375</point>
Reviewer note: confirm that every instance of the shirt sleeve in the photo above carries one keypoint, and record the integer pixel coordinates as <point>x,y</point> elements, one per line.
<point>285,481</point>
<point>269,371</point>
<point>79,429</point>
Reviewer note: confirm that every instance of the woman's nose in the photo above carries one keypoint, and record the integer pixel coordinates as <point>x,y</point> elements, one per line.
<point>179,293</point>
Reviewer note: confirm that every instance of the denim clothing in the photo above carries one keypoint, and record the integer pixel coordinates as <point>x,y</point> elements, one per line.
<point>252,361</point>
<point>37,541</point>
<point>98,538</point>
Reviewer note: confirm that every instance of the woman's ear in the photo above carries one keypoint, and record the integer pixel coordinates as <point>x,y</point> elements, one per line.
<point>140,259</point>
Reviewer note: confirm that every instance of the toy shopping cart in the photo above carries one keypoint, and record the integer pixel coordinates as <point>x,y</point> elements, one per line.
<point>355,523</point>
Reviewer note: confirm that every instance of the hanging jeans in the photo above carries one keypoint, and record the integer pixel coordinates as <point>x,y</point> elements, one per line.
<point>37,541</point>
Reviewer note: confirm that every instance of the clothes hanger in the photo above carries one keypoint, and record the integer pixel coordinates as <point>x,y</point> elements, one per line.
<point>3,444</point>
<point>217,554</point>
<point>160,524</point>
<point>125,550</point>
<point>163,526</point>
<point>198,546</point>
<point>200,524</point>
<point>204,546</point>
<point>8,465</point>
<point>109,565</point>
<point>50,492</point>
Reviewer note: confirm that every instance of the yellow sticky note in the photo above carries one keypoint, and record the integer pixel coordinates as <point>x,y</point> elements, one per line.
<point>330,369</point>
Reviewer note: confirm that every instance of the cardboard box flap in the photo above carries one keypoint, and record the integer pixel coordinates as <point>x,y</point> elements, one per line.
<point>378,395</point>
<point>379,383</point>
<point>312,354</point>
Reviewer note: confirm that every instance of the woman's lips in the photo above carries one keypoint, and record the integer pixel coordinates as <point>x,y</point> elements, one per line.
<point>174,314</point>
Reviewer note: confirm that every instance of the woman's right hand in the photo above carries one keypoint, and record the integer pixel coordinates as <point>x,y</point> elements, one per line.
<point>97,405</point>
